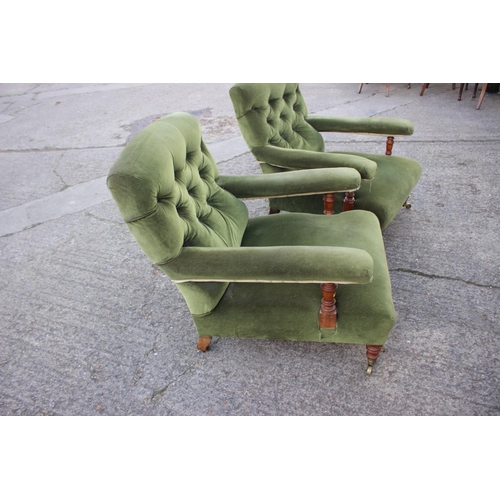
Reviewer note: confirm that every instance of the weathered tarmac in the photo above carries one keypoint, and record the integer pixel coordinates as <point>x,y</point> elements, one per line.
<point>90,327</point>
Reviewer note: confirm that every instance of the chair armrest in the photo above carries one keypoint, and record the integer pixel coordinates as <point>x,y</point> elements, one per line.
<point>288,264</point>
<point>304,159</point>
<point>363,125</point>
<point>294,183</point>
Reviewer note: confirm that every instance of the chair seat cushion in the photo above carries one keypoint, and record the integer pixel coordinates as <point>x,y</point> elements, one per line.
<point>384,195</point>
<point>290,311</point>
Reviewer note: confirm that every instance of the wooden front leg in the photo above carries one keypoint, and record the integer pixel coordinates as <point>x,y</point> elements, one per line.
<point>388,145</point>
<point>348,202</point>
<point>329,201</point>
<point>328,310</point>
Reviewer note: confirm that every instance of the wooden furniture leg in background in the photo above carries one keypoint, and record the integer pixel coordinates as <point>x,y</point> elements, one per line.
<point>460,91</point>
<point>481,97</point>
<point>424,86</point>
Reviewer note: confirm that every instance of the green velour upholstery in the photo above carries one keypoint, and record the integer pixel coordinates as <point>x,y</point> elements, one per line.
<point>303,159</point>
<point>273,119</point>
<point>257,277</point>
<point>313,181</point>
<point>363,125</point>
<point>290,311</point>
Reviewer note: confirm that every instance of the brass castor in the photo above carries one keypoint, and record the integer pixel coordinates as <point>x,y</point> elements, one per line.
<point>203,343</point>
<point>406,204</point>
<point>369,370</point>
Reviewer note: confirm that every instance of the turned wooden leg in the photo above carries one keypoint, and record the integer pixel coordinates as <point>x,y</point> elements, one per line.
<point>424,86</point>
<point>388,145</point>
<point>329,201</point>
<point>474,93</point>
<point>203,343</point>
<point>372,353</point>
<point>360,88</point>
<point>408,86</point>
<point>274,211</point>
<point>348,201</point>
<point>328,310</point>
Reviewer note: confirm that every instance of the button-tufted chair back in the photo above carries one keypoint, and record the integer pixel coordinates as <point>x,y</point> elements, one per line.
<point>274,113</point>
<point>164,184</point>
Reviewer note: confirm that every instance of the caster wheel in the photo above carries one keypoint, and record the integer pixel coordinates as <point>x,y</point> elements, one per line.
<point>369,370</point>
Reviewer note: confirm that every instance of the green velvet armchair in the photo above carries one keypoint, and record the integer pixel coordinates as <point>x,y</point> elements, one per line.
<point>294,276</point>
<point>274,121</point>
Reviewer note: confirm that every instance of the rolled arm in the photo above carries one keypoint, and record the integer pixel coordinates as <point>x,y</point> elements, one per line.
<point>296,183</point>
<point>304,159</point>
<point>362,125</point>
<point>289,264</point>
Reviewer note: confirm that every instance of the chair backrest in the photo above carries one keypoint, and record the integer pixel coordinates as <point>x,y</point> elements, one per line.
<point>164,184</point>
<point>275,114</point>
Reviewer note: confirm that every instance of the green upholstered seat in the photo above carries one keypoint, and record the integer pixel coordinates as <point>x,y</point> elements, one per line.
<point>273,119</point>
<point>259,277</point>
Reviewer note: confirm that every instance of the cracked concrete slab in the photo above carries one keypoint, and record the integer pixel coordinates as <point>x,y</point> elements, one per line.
<point>68,201</point>
<point>91,327</point>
